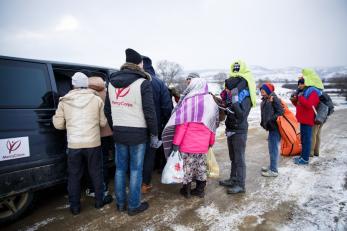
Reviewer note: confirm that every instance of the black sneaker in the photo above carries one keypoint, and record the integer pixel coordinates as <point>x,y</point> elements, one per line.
<point>228,182</point>
<point>107,199</point>
<point>121,208</point>
<point>75,211</point>
<point>236,189</point>
<point>144,206</point>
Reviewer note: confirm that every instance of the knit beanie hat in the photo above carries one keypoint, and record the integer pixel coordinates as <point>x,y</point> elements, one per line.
<point>79,80</point>
<point>132,56</point>
<point>193,75</point>
<point>268,88</point>
<point>301,81</point>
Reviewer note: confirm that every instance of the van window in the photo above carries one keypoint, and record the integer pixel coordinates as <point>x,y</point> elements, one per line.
<point>24,85</point>
<point>63,77</point>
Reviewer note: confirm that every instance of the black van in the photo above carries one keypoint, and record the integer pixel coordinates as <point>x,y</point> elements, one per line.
<point>32,151</point>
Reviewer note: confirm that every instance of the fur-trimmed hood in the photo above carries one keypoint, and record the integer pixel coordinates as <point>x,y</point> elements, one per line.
<point>137,69</point>
<point>128,74</point>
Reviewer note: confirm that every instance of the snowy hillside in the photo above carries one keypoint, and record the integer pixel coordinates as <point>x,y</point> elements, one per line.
<point>275,75</point>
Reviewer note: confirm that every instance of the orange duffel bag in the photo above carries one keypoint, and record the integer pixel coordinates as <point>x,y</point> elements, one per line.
<point>289,130</point>
<point>288,149</point>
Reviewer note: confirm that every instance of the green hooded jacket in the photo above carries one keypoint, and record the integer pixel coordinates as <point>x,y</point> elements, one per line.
<point>312,79</point>
<point>247,75</point>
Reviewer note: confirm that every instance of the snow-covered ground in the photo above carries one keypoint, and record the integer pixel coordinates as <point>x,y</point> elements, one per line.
<point>301,198</point>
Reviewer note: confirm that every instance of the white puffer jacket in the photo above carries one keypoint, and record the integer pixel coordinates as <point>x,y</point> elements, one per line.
<point>81,113</point>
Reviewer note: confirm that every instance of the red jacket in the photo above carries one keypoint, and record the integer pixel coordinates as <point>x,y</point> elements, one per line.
<point>193,138</point>
<point>304,110</point>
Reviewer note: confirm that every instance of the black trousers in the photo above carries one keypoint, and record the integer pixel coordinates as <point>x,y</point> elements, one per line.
<point>107,147</point>
<point>160,159</point>
<point>237,147</point>
<point>77,158</point>
<point>148,164</point>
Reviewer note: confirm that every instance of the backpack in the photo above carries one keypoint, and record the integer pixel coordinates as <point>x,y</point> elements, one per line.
<point>321,113</point>
<point>325,98</point>
<point>324,109</point>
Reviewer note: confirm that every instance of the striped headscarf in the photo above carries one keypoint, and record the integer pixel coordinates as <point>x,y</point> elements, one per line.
<point>196,105</point>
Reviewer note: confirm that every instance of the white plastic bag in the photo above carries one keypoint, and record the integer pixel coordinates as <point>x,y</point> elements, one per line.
<point>173,171</point>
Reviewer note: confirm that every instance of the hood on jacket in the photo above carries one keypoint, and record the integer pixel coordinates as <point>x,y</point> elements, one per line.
<point>96,83</point>
<point>128,74</point>
<point>245,73</point>
<point>312,79</point>
<point>79,98</point>
<point>147,65</point>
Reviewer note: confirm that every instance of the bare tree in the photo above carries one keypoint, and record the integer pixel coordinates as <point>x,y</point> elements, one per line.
<point>179,83</point>
<point>339,82</point>
<point>168,71</point>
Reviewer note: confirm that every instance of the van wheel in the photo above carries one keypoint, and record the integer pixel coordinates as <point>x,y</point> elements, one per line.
<point>11,208</point>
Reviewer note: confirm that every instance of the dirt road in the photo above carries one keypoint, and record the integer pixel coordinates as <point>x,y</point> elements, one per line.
<point>310,197</point>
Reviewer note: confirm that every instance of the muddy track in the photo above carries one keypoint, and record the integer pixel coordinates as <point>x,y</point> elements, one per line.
<point>302,197</point>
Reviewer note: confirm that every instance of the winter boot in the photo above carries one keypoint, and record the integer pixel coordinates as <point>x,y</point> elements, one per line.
<point>199,191</point>
<point>143,207</point>
<point>186,190</point>
<point>107,200</point>
<point>228,182</point>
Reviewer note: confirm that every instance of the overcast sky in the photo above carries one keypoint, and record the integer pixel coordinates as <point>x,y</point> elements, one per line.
<point>198,34</point>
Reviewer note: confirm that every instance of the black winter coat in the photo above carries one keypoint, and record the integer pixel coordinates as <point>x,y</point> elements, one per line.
<point>270,111</point>
<point>237,121</point>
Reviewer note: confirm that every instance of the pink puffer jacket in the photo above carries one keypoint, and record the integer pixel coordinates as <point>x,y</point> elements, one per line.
<point>193,138</point>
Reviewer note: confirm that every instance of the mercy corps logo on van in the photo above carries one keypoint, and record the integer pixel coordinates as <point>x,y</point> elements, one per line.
<point>13,148</point>
<point>119,95</point>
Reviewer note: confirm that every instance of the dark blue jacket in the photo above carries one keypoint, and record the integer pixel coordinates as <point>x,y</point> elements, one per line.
<point>161,95</point>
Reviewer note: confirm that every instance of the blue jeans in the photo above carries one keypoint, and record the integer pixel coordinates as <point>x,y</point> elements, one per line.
<point>306,139</point>
<point>125,154</point>
<point>274,148</point>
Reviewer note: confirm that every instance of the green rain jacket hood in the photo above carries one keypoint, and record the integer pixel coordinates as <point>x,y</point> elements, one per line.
<point>312,79</point>
<point>247,75</point>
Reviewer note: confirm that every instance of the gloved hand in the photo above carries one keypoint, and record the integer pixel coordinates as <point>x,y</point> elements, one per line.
<point>234,95</point>
<point>294,94</point>
<point>175,147</point>
<point>294,97</point>
<point>155,142</point>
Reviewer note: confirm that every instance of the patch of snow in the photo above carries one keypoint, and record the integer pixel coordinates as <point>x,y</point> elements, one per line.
<point>181,228</point>
<point>315,190</point>
<point>41,224</point>
<point>62,207</point>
